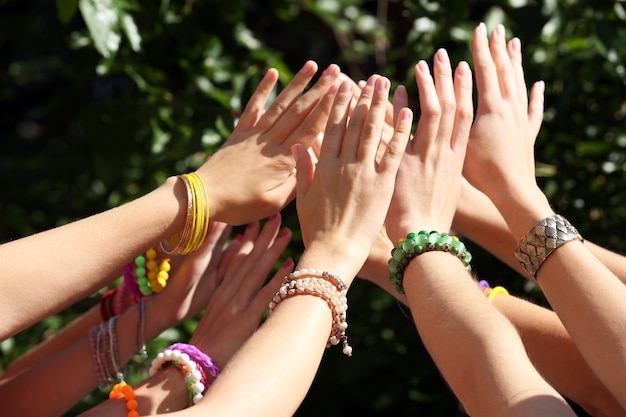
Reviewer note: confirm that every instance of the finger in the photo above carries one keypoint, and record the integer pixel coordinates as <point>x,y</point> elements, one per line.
<point>398,143</point>
<point>428,123</point>
<point>336,125</point>
<point>247,244</point>
<point>446,94</point>
<point>400,100</point>
<point>535,108</point>
<point>254,264</point>
<point>228,255</point>
<point>484,69</point>
<point>304,171</point>
<point>504,68</point>
<point>261,301</point>
<point>293,114</point>
<point>358,117</point>
<point>311,131</point>
<point>371,134</point>
<point>256,105</point>
<point>514,50</point>
<point>288,96</point>
<point>464,108</point>
<point>264,263</point>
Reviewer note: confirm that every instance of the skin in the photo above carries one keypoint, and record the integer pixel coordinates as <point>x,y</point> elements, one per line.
<point>584,293</point>
<point>476,349</point>
<point>259,147</point>
<point>348,210</point>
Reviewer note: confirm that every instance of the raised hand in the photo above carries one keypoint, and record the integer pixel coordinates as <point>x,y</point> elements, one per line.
<point>500,155</point>
<point>251,176</point>
<point>342,202</point>
<point>428,184</point>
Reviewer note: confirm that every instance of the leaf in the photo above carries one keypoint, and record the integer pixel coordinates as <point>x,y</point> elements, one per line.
<point>102,19</point>
<point>132,33</point>
<point>66,9</point>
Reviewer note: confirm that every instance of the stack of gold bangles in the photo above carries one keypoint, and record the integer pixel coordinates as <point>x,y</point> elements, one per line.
<point>197,221</point>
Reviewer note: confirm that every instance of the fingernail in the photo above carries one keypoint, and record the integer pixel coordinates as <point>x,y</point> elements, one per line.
<point>442,56</point>
<point>463,69</point>
<point>405,114</point>
<point>516,44</point>
<point>541,86</point>
<point>382,84</point>
<point>238,237</point>
<point>482,28</point>
<point>422,66</point>
<point>345,87</point>
<point>284,232</point>
<point>308,68</point>
<point>273,217</point>
<point>500,30</point>
<point>372,80</point>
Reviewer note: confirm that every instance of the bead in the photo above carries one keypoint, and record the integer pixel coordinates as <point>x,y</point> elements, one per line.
<point>140,260</point>
<point>415,244</point>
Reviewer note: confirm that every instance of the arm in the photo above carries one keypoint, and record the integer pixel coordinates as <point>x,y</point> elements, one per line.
<point>233,313</point>
<point>259,148</point>
<point>586,295</point>
<point>554,354</point>
<point>478,219</point>
<point>184,296</point>
<point>284,354</point>
<point>476,349</point>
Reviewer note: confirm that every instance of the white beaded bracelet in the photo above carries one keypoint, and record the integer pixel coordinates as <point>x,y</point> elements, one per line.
<point>190,368</point>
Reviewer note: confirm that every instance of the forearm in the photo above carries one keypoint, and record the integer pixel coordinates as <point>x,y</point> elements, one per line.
<point>60,341</point>
<point>103,243</point>
<point>77,363</point>
<point>586,295</point>
<point>455,321</point>
<point>614,261</point>
<point>589,300</point>
<point>555,356</point>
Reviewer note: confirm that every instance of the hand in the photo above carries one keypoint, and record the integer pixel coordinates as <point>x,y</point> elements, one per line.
<point>342,202</point>
<point>428,184</point>
<point>236,307</point>
<point>400,100</point>
<point>500,155</point>
<point>192,275</point>
<point>251,175</point>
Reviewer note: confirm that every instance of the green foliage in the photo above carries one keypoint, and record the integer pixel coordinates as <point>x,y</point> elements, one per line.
<point>103,99</point>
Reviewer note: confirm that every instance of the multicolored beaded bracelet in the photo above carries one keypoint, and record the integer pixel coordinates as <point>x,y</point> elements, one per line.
<point>191,371</point>
<point>417,243</point>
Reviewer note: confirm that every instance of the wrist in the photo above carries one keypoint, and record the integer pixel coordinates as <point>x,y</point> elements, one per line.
<point>521,213</point>
<point>339,260</point>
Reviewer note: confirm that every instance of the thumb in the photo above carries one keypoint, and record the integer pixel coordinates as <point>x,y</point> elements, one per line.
<point>304,170</point>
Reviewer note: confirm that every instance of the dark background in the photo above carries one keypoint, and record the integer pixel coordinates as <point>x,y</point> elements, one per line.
<point>95,115</point>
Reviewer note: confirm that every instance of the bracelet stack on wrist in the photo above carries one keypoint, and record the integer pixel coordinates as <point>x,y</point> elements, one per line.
<point>326,286</point>
<point>197,220</point>
<point>417,243</point>
<point>189,361</point>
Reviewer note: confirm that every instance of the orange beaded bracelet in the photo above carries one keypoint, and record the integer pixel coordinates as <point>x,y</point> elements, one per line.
<point>125,391</point>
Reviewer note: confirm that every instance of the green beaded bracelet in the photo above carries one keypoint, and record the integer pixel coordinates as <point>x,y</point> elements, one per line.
<point>417,243</point>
